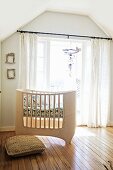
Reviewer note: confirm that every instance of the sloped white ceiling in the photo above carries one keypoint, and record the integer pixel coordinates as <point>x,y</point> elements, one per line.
<point>16,13</point>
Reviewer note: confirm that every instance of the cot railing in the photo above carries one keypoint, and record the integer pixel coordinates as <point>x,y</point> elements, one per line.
<point>46,113</point>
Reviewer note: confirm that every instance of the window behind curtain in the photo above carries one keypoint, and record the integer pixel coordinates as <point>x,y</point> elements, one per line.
<point>52,66</point>
<point>41,65</point>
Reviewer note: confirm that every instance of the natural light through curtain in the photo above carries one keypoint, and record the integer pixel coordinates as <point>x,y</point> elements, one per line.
<point>60,76</point>
<point>95,84</point>
<point>32,63</point>
<point>44,66</point>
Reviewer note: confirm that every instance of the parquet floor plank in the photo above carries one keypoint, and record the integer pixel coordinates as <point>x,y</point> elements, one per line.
<point>90,149</point>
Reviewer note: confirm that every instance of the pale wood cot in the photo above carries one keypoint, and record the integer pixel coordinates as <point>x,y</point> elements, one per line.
<point>46,113</point>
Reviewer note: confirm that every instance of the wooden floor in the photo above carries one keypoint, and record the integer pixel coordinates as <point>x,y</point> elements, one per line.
<point>91,148</point>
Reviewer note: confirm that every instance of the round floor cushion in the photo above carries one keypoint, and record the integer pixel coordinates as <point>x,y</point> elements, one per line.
<point>22,145</point>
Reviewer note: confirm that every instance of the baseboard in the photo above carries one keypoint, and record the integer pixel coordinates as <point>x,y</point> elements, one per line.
<point>110,124</point>
<point>7,128</point>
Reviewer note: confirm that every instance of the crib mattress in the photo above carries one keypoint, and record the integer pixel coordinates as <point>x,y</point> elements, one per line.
<point>43,113</point>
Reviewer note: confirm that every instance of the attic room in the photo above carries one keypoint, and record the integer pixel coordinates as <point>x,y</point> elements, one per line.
<point>56,84</point>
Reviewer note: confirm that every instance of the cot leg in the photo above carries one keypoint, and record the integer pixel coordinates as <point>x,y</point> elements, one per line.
<point>68,142</point>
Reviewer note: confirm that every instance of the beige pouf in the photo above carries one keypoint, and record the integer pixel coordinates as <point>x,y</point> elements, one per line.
<point>24,145</point>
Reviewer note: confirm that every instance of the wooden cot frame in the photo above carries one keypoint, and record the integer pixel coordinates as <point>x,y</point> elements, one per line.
<point>68,129</point>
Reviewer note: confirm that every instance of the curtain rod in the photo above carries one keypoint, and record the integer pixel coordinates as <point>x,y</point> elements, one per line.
<point>67,35</point>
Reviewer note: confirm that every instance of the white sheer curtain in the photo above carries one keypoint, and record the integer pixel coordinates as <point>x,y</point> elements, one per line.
<point>95,81</point>
<point>95,84</point>
<point>28,60</point>
<point>43,65</point>
<point>29,66</point>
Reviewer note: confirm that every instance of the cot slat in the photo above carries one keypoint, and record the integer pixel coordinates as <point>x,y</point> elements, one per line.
<point>31,109</point>
<point>44,109</point>
<point>58,109</point>
<point>27,110</point>
<point>37,110</point>
<point>40,110</point>
<point>54,112</point>
<point>49,110</point>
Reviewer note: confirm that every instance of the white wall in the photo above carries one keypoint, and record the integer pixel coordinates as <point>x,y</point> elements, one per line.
<point>47,22</point>
<point>64,23</point>
<point>9,86</point>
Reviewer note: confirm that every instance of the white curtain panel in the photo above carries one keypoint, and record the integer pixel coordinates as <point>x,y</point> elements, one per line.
<point>28,61</point>
<point>95,84</point>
